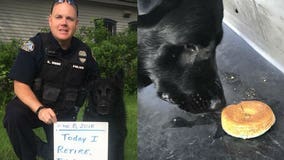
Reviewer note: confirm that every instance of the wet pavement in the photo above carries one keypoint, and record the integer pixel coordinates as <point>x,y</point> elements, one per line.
<point>166,132</point>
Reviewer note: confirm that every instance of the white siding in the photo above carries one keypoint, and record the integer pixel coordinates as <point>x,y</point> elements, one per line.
<point>23,19</point>
<point>91,10</point>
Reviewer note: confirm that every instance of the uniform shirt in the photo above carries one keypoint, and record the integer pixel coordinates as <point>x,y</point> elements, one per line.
<point>29,61</point>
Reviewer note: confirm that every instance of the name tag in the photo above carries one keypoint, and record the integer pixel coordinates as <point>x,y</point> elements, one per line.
<point>53,63</point>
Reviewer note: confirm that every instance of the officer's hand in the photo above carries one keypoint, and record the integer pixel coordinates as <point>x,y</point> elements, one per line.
<point>47,115</point>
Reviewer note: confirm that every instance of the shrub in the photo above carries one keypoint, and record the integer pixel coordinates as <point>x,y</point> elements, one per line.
<point>113,51</point>
<point>8,51</point>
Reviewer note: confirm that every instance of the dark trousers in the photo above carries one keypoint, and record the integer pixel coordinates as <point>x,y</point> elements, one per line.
<point>19,122</point>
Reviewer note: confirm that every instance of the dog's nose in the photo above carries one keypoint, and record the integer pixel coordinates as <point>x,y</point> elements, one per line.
<point>197,103</point>
<point>216,104</point>
<point>166,97</point>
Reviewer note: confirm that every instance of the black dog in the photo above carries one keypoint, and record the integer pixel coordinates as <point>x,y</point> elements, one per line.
<point>176,42</point>
<point>106,105</point>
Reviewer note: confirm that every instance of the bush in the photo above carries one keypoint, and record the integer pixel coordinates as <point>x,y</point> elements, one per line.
<point>113,52</point>
<point>8,53</point>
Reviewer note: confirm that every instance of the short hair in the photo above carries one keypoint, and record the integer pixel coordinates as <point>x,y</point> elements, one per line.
<point>75,5</point>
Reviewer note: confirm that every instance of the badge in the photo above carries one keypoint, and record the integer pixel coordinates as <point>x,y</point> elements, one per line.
<point>82,56</point>
<point>82,60</point>
<point>28,46</point>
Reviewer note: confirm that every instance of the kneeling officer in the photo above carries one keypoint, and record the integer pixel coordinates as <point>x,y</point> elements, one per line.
<point>49,75</point>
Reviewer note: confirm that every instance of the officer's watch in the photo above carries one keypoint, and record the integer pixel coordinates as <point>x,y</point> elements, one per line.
<point>39,108</point>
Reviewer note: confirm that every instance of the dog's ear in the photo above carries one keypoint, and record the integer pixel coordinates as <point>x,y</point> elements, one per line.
<point>151,11</point>
<point>91,82</point>
<point>90,85</point>
<point>120,74</point>
<point>118,77</point>
<point>146,6</point>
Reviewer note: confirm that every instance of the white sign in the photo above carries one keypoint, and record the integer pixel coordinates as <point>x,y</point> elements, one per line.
<point>80,141</point>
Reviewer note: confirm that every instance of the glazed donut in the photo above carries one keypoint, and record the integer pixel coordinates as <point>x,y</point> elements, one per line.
<point>248,119</point>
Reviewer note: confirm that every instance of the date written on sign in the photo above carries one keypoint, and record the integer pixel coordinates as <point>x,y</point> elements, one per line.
<point>80,140</point>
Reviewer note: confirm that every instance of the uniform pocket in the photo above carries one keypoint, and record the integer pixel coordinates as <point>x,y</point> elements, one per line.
<point>70,97</point>
<point>50,94</point>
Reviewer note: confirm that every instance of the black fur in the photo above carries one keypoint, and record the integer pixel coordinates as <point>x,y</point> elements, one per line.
<point>106,105</point>
<point>176,43</point>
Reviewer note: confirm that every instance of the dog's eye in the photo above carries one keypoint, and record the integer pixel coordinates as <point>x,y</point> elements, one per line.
<point>174,51</point>
<point>174,55</point>
<point>191,47</point>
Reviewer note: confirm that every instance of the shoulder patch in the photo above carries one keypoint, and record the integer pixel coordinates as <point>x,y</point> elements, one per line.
<point>28,46</point>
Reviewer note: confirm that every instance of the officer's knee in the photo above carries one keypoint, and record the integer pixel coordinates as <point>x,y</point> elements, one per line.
<point>16,114</point>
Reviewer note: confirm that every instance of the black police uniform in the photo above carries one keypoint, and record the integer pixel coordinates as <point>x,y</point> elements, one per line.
<point>58,78</point>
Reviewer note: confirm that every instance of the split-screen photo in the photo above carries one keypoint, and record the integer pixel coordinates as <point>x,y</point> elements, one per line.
<point>141,80</point>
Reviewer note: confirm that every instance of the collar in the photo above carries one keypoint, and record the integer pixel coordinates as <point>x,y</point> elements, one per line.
<point>54,45</point>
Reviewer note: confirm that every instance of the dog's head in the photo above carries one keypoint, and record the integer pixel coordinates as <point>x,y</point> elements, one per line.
<point>177,42</point>
<point>105,93</point>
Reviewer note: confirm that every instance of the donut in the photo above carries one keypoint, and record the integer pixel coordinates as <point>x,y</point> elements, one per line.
<point>247,119</point>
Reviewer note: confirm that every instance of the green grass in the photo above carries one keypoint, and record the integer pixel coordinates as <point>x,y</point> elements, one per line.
<point>7,152</point>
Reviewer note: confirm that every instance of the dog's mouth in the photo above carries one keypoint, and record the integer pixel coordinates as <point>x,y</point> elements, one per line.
<point>195,102</point>
<point>103,109</point>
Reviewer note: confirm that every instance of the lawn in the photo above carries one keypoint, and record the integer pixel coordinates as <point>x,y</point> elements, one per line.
<point>7,153</point>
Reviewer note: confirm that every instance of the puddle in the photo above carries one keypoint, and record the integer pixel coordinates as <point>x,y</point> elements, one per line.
<point>231,78</point>
<point>250,93</point>
<point>178,122</point>
<point>264,78</point>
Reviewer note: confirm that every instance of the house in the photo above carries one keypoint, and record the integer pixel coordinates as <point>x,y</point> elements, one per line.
<point>23,19</point>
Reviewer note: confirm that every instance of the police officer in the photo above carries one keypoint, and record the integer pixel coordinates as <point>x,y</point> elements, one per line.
<point>50,76</point>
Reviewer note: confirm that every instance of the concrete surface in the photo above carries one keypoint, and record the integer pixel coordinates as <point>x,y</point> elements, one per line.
<point>167,133</point>
<point>261,24</point>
